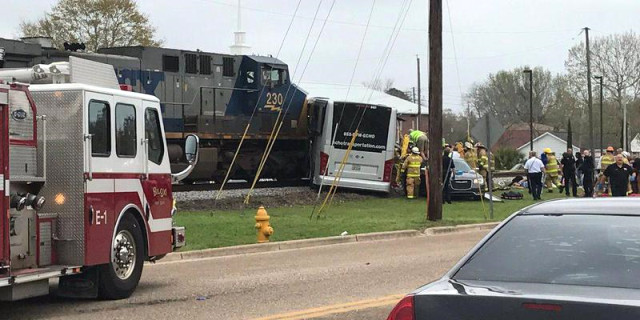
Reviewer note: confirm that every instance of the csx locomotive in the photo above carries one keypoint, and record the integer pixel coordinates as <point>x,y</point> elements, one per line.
<point>209,94</point>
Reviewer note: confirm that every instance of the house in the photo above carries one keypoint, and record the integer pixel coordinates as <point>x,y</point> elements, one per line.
<point>556,141</point>
<point>634,146</point>
<point>407,111</point>
<point>518,134</point>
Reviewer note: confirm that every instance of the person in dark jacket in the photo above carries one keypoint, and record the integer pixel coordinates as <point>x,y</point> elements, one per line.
<point>618,175</point>
<point>587,168</point>
<point>568,163</point>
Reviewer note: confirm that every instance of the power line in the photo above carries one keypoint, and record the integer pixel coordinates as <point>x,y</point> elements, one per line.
<point>351,23</point>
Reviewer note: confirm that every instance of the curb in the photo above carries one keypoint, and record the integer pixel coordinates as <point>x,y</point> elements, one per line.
<point>460,228</point>
<point>316,242</point>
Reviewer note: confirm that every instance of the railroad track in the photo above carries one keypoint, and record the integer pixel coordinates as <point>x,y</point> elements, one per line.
<point>239,185</point>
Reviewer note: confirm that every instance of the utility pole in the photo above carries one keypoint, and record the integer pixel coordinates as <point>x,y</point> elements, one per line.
<point>601,131</point>
<point>624,127</point>
<point>530,72</point>
<point>435,110</point>
<point>591,145</point>
<point>419,96</point>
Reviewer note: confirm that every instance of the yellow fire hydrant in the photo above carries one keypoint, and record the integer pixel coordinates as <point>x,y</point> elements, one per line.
<point>262,225</point>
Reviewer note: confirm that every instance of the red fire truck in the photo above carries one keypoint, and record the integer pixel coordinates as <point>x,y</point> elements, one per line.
<point>85,182</point>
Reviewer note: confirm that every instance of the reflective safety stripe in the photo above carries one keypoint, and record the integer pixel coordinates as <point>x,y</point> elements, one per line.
<point>607,160</point>
<point>414,165</point>
<point>412,175</point>
<point>552,165</point>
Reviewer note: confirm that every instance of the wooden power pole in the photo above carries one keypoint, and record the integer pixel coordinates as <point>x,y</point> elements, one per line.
<point>591,144</point>
<point>434,211</point>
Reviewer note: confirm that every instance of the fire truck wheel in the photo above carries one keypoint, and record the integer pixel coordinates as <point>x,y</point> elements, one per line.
<point>120,277</point>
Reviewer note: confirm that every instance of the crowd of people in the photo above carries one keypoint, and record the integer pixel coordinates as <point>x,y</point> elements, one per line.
<point>476,156</point>
<point>615,173</point>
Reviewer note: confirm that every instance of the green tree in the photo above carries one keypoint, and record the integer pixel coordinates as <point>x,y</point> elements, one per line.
<point>97,23</point>
<point>506,158</point>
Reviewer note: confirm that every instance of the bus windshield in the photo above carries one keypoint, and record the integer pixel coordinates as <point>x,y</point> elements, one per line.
<point>371,121</point>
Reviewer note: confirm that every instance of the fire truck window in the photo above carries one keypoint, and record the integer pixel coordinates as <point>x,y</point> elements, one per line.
<point>100,128</point>
<point>152,132</point>
<point>126,146</point>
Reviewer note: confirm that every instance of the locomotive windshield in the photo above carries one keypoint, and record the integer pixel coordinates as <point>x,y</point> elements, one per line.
<point>274,75</point>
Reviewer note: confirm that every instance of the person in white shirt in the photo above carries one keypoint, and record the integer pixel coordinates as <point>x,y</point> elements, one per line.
<point>535,168</point>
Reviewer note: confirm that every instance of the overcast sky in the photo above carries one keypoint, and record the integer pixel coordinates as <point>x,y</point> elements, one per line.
<point>489,35</point>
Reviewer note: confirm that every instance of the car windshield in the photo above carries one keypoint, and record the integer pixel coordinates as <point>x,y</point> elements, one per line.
<point>461,165</point>
<point>589,250</point>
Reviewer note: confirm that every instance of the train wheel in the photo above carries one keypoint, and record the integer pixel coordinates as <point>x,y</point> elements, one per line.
<point>120,277</point>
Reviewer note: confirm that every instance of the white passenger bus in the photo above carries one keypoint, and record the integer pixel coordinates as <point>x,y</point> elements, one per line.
<point>370,162</point>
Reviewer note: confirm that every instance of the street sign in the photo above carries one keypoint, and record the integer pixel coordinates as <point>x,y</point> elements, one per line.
<point>480,130</point>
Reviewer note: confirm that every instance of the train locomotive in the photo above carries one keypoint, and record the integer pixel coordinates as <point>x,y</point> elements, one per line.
<point>208,94</point>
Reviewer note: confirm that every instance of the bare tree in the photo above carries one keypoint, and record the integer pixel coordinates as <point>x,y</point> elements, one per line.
<point>506,95</point>
<point>616,58</point>
<point>379,84</point>
<point>97,23</point>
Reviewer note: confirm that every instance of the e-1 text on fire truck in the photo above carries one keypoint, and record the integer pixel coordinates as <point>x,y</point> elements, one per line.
<point>85,182</point>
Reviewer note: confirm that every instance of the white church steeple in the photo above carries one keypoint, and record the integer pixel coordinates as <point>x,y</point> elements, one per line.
<point>239,46</point>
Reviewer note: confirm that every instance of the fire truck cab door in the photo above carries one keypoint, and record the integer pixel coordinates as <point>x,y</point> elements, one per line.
<point>157,182</point>
<point>100,176</point>
<point>4,182</point>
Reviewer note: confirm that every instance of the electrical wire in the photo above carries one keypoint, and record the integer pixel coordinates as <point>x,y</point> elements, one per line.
<point>246,130</point>
<point>271,140</point>
<point>286,110</point>
<point>335,133</point>
<point>390,43</point>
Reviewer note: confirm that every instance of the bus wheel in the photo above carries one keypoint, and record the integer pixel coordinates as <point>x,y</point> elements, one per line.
<point>120,277</point>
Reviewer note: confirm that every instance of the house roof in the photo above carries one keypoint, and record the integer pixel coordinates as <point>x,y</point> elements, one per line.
<point>360,93</point>
<point>517,134</point>
<point>542,136</point>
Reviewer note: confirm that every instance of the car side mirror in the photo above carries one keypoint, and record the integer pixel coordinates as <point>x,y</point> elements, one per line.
<point>191,148</point>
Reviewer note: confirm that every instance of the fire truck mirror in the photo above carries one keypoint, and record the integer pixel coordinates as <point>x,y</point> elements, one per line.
<point>191,148</point>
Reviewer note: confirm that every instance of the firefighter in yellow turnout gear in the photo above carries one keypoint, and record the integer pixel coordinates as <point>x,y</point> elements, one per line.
<point>552,169</point>
<point>470,156</point>
<point>483,164</point>
<point>412,166</point>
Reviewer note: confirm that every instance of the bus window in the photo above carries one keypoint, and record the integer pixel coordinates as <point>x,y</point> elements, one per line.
<point>372,123</point>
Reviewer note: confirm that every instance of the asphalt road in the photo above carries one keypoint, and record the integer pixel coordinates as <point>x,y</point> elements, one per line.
<point>360,280</point>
